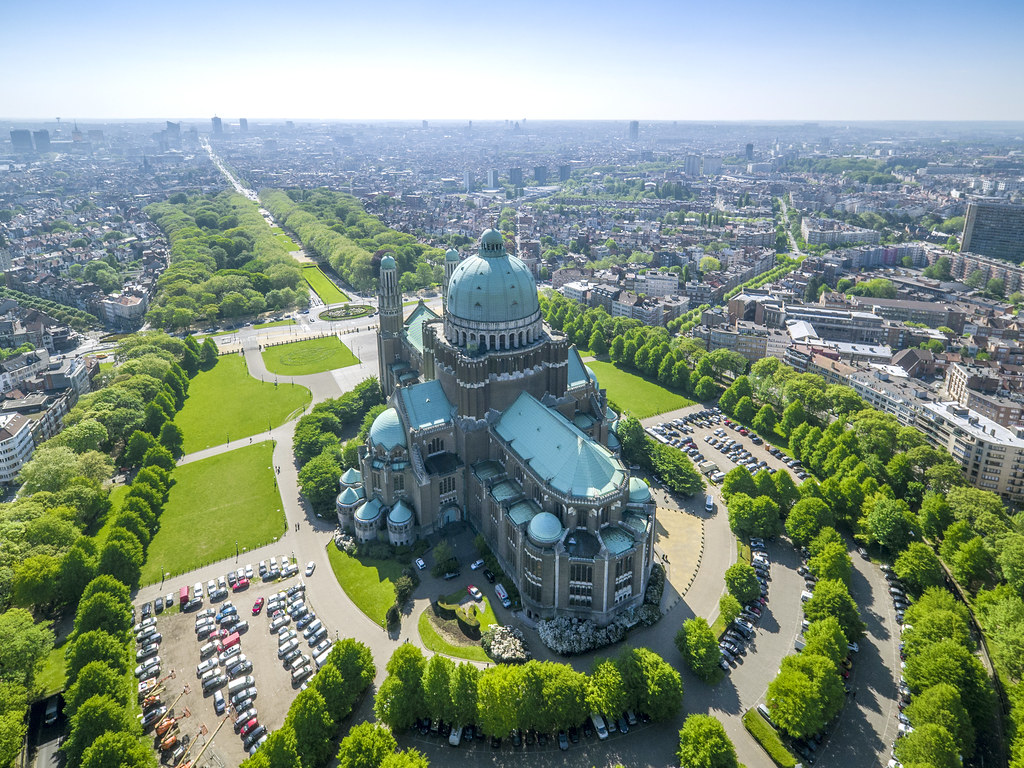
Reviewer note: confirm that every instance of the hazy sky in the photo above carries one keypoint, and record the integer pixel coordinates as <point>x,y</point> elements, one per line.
<point>644,59</point>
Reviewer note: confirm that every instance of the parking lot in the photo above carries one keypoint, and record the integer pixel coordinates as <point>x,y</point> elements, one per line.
<point>179,650</point>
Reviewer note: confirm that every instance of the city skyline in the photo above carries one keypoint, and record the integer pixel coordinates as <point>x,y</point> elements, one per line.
<point>869,61</point>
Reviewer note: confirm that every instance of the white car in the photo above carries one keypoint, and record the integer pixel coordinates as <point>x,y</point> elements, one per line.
<point>310,567</point>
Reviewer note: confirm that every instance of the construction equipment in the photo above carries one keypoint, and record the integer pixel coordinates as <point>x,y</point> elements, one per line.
<point>151,686</point>
<point>165,726</point>
<point>209,741</point>
<point>189,743</point>
<point>170,708</point>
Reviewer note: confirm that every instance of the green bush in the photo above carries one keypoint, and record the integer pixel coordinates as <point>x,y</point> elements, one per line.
<point>393,615</point>
<point>469,623</point>
<point>443,609</point>
<point>768,738</point>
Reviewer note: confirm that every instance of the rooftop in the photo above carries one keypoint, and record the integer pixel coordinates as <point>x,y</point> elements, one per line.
<point>425,405</point>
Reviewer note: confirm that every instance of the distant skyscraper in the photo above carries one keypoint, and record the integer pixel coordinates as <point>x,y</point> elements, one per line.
<point>634,130</point>
<point>492,179</point>
<point>243,125</point>
<point>750,151</point>
<point>425,125</point>
<point>994,229</point>
<point>564,172</point>
<point>467,178</point>
<point>42,138</point>
<point>21,140</point>
<point>691,165</point>
<point>218,128</point>
<point>712,165</point>
<point>540,173</point>
<point>515,177</point>
<point>173,129</point>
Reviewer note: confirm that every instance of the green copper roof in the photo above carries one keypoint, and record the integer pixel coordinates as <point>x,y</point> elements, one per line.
<point>492,287</point>
<point>388,262</point>
<point>545,528</point>
<point>616,539</point>
<point>400,514</point>
<point>487,469</point>
<point>638,523</point>
<point>369,512</point>
<point>350,496</point>
<point>506,490</point>
<point>425,405</point>
<point>567,459</point>
<point>523,511</point>
<point>610,414</point>
<point>352,476</point>
<point>414,324</point>
<point>639,491</point>
<point>387,430</point>
<point>577,374</point>
<point>582,420</point>
<point>451,255</point>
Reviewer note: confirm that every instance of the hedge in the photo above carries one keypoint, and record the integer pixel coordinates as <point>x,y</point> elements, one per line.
<point>769,739</point>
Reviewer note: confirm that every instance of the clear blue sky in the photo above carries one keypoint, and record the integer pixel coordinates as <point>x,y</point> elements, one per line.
<point>409,59</point>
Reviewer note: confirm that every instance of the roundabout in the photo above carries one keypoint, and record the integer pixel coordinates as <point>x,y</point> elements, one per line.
<point>346,312</point>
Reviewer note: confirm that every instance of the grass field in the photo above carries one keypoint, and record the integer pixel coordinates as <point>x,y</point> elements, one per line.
<point>324,288</point>
<point>117,494</point>
<point>228,499</point>
<point>225,403</point>
<point>51,676</point>
<point>284,240</point>
<point>311,356</point>
<point>436,642</point>
<point>370,584</point>
<point>275,323</point>
<point>635,394</point>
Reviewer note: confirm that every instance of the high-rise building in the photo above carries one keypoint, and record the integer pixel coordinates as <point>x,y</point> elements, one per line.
<point>995,230</point>
<point>42,139</point>
<point>467,179</point>
<point>564,172</point>
<point>634,130</point>
<point>243,125</point>
<point>691,165</point>
<point>515,177</point>
<point>217,126</point>
<point>750,152</point>
<point>712,165</point>
<point>492,179</point>
<point>21,140</point>
<point>540,174</point>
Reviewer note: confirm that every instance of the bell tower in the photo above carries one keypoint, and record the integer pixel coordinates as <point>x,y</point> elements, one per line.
<point>389,331</point>
<point>451,261</point>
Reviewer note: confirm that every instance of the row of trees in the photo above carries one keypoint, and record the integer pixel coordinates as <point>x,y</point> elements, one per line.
<point>665,461</point>
<point>544,696</point>
<point>318,447</point>
<point>305,740</point>
<point>76,318</point>
<point>225,262</point>
<point>335,228</point>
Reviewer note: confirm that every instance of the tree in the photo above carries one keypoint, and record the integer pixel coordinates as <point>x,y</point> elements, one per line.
<point>709,264</point>
<point>890,523</point>
<point>158,456</point>
<point>108,585</point>
<point>498,695</point>
<point>437,693</point>
<point>699,647</point>
<point>319,480</point>
<point>406,758</point>
<point>729,608</point>
<point>941,705</point>
<point>941,269</point>
<point>122,557</point>
<point>154,418</point>
<point>597,343</point>
<point>77,568</point>
<point>786,492</point>
<point>563,697</point>
<point>825,638</point>
<point>95,646</point>
<point>705,389</point>
<point>96,716</point>
<point>173,439</point>
<point>831,598</point>
<point>703,743</point>
<point>102,611</point>
<point>95,679</point>
<point>738,480</point>
<point>832,562</point>
<point>805,695</point>
<point>86,435</point>
<point>765,420</point>
<point>36,581</point>
<point>50,469</point>
<point>605,692</point>
<point>948,661</point>
<point>23,646</point>
<point>279,750</point>
<point>973,563</point>
<point>463,693</point>
<point>996,287</point>
<point>1011,561</point>
<point>313,727</point>
<point>651,684</point>
<point>919,568</point>
<point>930,745</point>
<point>806,519</point>
<point>792,417</point>
<point>753,517</point>
<point>741,581</point>
<point>117,748</point>
<point>208,354</point>
<point>745,410</point>
<point>934,516</point>
<point>399,699</point>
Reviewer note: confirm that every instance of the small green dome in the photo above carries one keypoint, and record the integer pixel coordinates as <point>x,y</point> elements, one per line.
<point>369,512</point>
<point>352,476</point>
<point>545,529</point>
<point>400,514</point>
<point>492,287</point>
<point>388,262</point>
<point>451,255</point>
<point>349,497</point>
<point>639,491</point>
<point>387,430</point>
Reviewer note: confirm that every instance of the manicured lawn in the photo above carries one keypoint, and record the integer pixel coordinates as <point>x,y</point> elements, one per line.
<point>299,358</point>
<point>52,675</point>
<point>636,394</point>
<point>436,642</point>
<point>225,404</point>
<point>117,494</point>
<point>322,286</point>
<point>370,584</point>
<point>275,323</point>
<point>214,504</point>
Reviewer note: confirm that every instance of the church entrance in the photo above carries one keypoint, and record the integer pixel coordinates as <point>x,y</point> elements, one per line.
<point>450,514</point>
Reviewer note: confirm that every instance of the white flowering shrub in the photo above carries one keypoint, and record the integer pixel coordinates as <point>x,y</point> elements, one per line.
<point>506,645</point>
<point>345,543</point>
<point>569,636</point>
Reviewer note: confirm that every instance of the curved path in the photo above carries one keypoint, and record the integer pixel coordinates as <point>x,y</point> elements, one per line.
<point>869,724</point>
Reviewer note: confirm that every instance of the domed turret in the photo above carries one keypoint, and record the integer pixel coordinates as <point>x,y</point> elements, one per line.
<point>451,255</point>
<point>387,431</point>
<point>388,262</point>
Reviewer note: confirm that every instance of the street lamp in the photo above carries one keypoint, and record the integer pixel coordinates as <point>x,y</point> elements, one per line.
<point>236,550</point>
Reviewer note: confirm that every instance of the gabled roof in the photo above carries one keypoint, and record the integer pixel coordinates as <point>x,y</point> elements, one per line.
<point>425,405</point>
<point>566,458</point>
<point>414,324</point>
<point>577,371</point>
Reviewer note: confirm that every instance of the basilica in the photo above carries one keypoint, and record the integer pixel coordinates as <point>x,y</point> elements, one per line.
<point>494,419</point>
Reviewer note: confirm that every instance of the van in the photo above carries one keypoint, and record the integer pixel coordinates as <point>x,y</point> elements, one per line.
<point>197,590</point>
<point>207,650</point>
<point>240,684</point>
<point>805,596</point>
<point>183,597</point>
<point>599,726</point>
<point>499,590</point>
<point>709,503</point>
<point>800,643</point>
<point>228,642</point>
<point>299,662</point>
<point>456,737</point>
<point>273,563</point>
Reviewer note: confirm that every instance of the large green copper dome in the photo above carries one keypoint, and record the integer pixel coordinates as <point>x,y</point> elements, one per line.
<point>492,287</point>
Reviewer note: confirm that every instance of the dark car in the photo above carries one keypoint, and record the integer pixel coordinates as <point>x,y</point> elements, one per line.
<point>153,716</point>
<point>489,575</point>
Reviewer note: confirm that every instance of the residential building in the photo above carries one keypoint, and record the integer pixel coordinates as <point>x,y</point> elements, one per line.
<point>16,445</point>
<point>995,230</point>
<point>831,232</point>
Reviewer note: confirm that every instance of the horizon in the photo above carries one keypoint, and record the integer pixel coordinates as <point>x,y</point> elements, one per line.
<point>869,61</point>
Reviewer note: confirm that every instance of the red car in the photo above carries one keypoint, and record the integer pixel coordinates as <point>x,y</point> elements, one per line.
<point>257,607</point>
<point>474,593</point>
<point>241,584</point>
<point>250,726</point>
